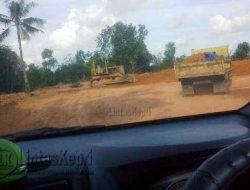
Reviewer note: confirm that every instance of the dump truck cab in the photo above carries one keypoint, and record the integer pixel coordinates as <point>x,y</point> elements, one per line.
<point>205,68</point>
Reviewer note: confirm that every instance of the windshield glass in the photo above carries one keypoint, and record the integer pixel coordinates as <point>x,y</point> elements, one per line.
<point>107,62</point>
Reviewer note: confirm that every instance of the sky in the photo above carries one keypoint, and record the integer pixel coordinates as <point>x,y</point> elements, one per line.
<point>72,25</point>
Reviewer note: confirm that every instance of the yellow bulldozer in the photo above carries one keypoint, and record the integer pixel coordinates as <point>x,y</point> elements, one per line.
<point>102,74</point>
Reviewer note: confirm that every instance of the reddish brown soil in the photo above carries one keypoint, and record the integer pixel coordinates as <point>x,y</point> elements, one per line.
<point>241,67</point>
<point>156,77</point>
<point>154,96</point>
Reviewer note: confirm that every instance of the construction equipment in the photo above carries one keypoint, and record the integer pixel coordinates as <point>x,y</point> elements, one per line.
<point>103,75</point>
<point>210,67</point>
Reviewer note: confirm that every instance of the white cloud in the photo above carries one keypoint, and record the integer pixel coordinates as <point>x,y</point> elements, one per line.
<point>83,25</point>
<point>222,25</point>
<point>66,35</point>
<point>182,41</point>
<point>123,6</point>
<point>75,24</point>
<point>178,21</point>
<point>81,29</point>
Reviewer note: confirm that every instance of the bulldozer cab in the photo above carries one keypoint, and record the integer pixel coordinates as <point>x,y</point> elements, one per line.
<point>99,69</point>
<point>116,69</point>
<point>103,69</point>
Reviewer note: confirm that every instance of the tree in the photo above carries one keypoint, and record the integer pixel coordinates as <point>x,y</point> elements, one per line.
<point>84,59</point>
<point>10,73</point>
<point>181,58</point>
<point>40,76</point>
<point>47,53</point>
<point>49,62</point>
<point>242,51</point>
<point>80,57</point>
<point>157,62</point>
<point>123,44</point>
<point>169,55</point>
<point>142,56</point>
<point>73,69</point>
<point>25,27</point>
<point>68,60</point>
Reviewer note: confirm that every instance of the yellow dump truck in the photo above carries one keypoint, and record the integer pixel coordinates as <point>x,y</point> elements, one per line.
<point>212,70</point>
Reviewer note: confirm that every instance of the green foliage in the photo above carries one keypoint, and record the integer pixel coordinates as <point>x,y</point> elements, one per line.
<point>10,74</point>
<point>181,58</point>
<point>80,57</point>
<point>160,63</point>
<point>242,51</point>
<point>47,53</point>
<point>40,77</point>
<point>25,27</point>
<point>68,60</point>
<point>157,62</point>
<point>72,70</point>
<point>157,59</point>
<point>123,44</point>
<point>49,62</point>
<point>169,55</point>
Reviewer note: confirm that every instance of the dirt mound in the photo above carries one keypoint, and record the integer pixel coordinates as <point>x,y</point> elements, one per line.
<point>11,99</point>
<point>241,67</point>
<point>155,77</point>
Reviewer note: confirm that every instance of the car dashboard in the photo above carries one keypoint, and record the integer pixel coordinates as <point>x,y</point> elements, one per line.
<point>148,155</point>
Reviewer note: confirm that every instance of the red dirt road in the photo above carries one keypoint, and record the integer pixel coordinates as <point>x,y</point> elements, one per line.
<point>153,96</point>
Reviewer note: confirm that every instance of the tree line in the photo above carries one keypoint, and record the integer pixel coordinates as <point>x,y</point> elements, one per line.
<point>119,44</point>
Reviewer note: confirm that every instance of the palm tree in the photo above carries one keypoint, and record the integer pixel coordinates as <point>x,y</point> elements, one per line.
<point>18,10</point>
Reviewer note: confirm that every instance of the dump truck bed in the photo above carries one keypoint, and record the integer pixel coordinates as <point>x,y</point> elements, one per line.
<point>202,69</point>
<point>199,74</point>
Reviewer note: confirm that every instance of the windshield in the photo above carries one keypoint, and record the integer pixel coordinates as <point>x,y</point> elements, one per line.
<point>106,62</point>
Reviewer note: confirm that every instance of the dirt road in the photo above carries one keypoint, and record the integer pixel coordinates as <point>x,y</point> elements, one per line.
<point>145,100</point>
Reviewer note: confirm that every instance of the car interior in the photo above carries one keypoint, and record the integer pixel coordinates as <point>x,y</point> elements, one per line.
<point>155,155</point>
<point>124,95</point>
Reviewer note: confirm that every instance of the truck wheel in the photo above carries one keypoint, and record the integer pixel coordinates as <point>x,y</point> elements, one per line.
<point>221,87</point>
<point>187,88</point>
<point>95,83</point>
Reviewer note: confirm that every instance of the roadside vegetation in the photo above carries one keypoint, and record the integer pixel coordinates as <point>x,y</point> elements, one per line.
<point>25,27</point>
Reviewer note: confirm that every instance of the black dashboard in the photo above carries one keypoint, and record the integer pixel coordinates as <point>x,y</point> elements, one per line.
<point>134,156</point>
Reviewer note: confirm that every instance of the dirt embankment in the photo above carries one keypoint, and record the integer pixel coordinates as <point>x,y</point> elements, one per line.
<point>154,96</point>
<point>7,100</point>
<point>241,67</point>
<point>156,77</point>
